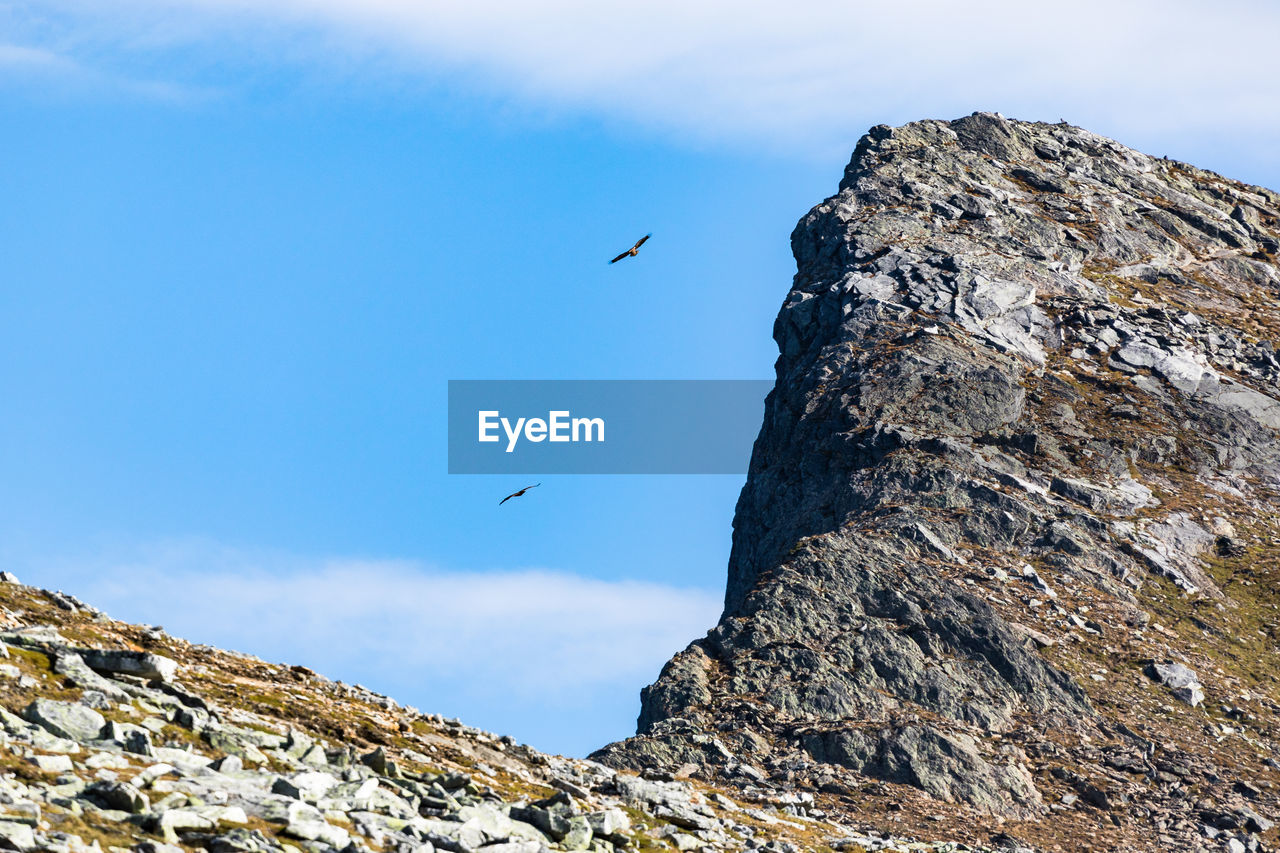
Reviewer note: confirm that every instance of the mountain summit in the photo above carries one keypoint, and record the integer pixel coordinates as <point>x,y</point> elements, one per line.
<point>1008,545</point>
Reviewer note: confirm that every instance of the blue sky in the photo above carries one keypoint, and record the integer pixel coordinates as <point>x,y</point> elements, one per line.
<point>244,247</point>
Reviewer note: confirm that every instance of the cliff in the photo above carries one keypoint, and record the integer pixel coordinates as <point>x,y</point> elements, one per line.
<point>1007,555</point>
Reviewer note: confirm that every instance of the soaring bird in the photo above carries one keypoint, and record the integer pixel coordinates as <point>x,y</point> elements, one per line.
<point>633,251</point>
<point>518,494</point>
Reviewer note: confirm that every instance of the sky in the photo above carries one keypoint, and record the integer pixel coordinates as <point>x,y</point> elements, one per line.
<point>244,246</point>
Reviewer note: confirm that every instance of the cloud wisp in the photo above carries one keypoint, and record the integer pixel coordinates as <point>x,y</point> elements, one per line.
<point>46,72</point>
<point>795,74</point>
<point>534,635</point>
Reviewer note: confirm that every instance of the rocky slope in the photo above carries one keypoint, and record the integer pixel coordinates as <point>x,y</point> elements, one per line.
<point>1007,555</point>
<point>117,737</point>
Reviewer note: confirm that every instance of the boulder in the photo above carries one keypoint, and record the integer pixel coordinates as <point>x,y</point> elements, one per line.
<point>1180,679</point>
<point>70,720</point>
<point>140,664</point>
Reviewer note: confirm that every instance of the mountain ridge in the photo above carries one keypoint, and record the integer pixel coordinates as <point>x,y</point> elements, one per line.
<point>118,737</point>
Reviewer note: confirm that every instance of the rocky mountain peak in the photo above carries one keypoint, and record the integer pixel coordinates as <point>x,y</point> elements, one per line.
<point>1008,539</point>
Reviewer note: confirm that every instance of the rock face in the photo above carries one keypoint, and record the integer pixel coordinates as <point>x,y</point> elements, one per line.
<point>1026,410</point>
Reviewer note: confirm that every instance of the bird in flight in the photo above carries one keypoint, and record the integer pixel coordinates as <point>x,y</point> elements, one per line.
<point>518,494</point>
<point>633,251</point>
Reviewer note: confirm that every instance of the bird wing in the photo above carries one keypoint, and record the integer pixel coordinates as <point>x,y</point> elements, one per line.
<point>625,254</point>
<point>640,242</point>
<point>518,494</point>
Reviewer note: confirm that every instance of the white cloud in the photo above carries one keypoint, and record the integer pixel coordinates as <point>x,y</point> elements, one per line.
<point>534,635</point>
<point>48,71</point>
<point>555,659</point>
<point>787,74</point>
<point>17,57</point>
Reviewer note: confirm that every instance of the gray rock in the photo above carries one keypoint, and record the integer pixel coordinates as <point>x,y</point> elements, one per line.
<point>170,823</point>
<point>140,664</point>
<point>579,834</point>
<point>243,841</point>
<point>309,786</point>
<point>70,664</point>
<point>553,824</point>
<point>34,637</point>
<point>1180,679</point>
<point>21,812</point>
<point>120,796</point>
<point>453,836</point>
<point>377,762</point>
<point>17,836</point>
<point>609,822</point>
<point>69,720</point>
<point>1253,821</point>
<point>52,763</point>
<point>195,719</point>
<point>237,742</point>
<point>228,764</point>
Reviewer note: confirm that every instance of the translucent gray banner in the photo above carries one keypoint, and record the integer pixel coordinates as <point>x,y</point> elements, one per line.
<point>590,426</point>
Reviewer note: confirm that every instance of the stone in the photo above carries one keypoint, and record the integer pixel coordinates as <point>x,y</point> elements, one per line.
<point>1253,821</point>
<point>451,835</point>
<point>21,812</point>
<point>120,796</point>
<point>553,824</point>
<point>70,664</point>
<point>578,837</point>
<point>236,743</point>
<point>195,719</point>
<point>377,761</point>
<point>17,836</point>
<point>309,786</point>
<point>69,720</point>
<point>609,822</point>
<point>140,664</point>
<point>228,764</point>
<point>52,763</point>
<point>242,841</point>
<point>1180,679</point>
<point>150,774</point>
<point>170,823</point>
